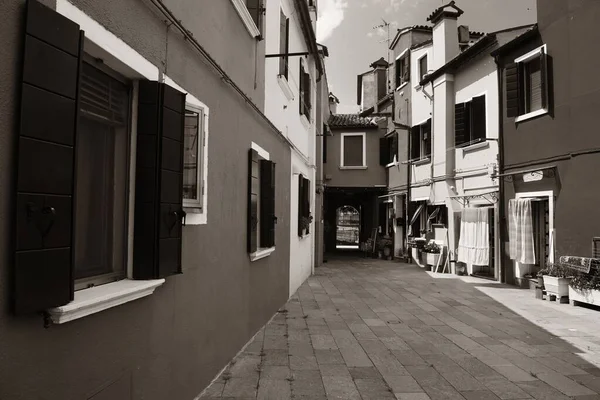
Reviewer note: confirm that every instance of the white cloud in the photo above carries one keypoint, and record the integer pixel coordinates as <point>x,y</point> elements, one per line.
<point>331,15</point>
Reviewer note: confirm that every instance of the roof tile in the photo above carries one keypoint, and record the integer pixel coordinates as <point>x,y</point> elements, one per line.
<point>351,121</point>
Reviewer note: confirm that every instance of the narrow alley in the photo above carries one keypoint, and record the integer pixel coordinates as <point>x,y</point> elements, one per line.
<point>370,329</point>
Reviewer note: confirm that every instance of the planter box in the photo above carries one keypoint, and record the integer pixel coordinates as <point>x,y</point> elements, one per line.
<point>584,296</point>
<point>557,286</point>
<point>431,259</point>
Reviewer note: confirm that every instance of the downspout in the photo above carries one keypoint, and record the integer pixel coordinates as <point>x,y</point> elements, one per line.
<point>431,188</point>
<point>501,201</point>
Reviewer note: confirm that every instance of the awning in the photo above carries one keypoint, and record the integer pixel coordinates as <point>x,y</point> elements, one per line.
<point>434,214</point>
<point>392,194</point>
<point>416,214</point>
<point>491,197</point>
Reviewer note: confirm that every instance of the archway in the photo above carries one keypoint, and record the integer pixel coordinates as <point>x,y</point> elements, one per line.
<point>347,228</point>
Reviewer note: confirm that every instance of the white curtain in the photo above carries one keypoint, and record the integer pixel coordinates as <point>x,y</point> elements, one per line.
<point>474,243</point>
<point>520,233</point>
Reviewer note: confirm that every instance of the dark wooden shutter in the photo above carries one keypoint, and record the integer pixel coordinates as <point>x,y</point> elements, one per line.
<point>427,137</point>
<point>544,79</point>
<point>301,87</point>
<point>384,151</point>
<point>407,67</point>
<point>255,9</point>
<point>43,275</point>
<point>253,193</point>
<point>415,142</point>
<point>397,73</point>
<point>267,203</point>
<point>478,118</point>
<point>460,124</point>
<point>159,181</point>
<point>307,92</point>
<point>324,144</point>
<point>301,204</point>
<point>307,202</point>
<point>284,43</point>
<point>394,149</point>
<point>513,90</point>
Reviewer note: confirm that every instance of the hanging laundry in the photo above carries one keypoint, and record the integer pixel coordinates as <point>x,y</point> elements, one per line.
<point>520,234</point>
<point>474,242</point>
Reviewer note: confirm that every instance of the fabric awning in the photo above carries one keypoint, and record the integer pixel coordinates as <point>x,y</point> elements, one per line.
<point>416,214</point>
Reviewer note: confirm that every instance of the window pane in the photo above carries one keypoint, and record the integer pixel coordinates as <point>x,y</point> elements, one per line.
<point>191,156</point>
<point>422,67</point>
<point>101,192</point>
<point>533,85</point>
<point>353,151</point>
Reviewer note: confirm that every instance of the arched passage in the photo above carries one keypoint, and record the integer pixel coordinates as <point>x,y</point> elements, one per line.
<point>348,228</point>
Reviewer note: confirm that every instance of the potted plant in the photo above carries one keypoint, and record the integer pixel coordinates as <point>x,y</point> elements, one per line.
<point>585,287</point>
<point>385,247</point>
<point>432,251</point>
<point>305,222</point>
<point>556,279</point>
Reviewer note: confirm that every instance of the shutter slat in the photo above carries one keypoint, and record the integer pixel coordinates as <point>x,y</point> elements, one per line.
<point>43,267</point>
<point>459,124</point>
<point>479,118</point>
<point>512,90</point>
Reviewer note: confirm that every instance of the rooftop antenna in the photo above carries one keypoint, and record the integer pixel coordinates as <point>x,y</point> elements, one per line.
<point>386,25</point>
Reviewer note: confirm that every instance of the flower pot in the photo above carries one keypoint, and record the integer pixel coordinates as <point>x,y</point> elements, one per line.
<point>557,286</point>
<point>432,259</point>
<point>584,296</point>
<point>387,252</point>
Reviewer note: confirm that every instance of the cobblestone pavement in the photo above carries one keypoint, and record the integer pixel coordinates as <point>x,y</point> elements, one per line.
<point>369,329</point>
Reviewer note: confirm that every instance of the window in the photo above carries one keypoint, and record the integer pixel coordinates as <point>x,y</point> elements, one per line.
<point>193,157</point>
<point>304,217</point>
<point>305,92</point>
<point>250,11</point>
<point>101,180</point>
<point>402,70</point>
<point>423,66</point>
<point>470,122</point>
<point>420,141</point>
<point>353,150</point>
<point>388,149</point>
<point>261,204</point>
<point>284,44</point>
<point>527,85</point>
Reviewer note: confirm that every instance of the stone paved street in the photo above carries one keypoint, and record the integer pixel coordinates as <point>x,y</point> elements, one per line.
<point>370,329</point>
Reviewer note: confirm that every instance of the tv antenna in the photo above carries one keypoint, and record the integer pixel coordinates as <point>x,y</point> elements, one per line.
<point>386,25</point>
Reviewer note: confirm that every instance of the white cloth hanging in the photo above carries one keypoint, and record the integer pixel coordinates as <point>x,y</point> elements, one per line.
<point>520,234</point>
<point>474,242</point>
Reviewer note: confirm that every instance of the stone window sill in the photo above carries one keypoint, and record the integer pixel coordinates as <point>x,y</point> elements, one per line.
<point>100,298</point>
<point>531,115</point>
<point>261,253</point>
<point>285,87</point>
<point>355,167</point>
<point>242,10</point>
<point>305,121</point>
<point>476,146</point>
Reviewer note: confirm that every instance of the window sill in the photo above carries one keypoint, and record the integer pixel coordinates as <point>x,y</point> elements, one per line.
<point>305,121</point>
<point>240,7</point>
<point>475,147</point>
<point>402,86</point>
<point>422,161</point>
<point>261,253</point>
<point>355,167</point>
<point>195,216</point>
<point>285,87</point>
<point>531,115</point>
<point>100,298</point>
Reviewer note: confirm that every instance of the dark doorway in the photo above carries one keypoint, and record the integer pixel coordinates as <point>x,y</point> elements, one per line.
<point>347,228</point>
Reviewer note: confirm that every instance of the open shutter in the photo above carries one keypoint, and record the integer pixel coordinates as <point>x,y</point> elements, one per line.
<point>384,151</point>
<point>267,203</point>
<point>478,117</point>
<point>513,90</point>
<point>415,142</point>
<point>253,193</point>
<point>395,150</point>
<point>307,202</point>
<point>307,91</point>
<point>159,181</point>
<point>427,137</point>
<point>301,87</point>
<point>255,10</point>
<point>284,29</point>
<point>407,67</point>
<point>459,124</point>
<point>301,204</point>
<point>325,130</point>
<point>46,160</point>
<point>544,79</point>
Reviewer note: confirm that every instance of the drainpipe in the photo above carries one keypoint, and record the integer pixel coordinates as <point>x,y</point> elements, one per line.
<point>431,188</point>
<point>501,201</point>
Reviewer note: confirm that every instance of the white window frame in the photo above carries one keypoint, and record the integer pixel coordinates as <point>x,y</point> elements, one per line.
<point>364,150</point>
<point>419,66</point>
<point>242,10</point>
<point>422,158</point>
<point>525,58</point>
<point>197,205</point>
<point>261,252</point>
<point>483,143</point>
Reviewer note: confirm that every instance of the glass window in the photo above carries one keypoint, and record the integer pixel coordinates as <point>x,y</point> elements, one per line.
<point>353,151</point>
<point>533,85</point>
<point>193,157</point>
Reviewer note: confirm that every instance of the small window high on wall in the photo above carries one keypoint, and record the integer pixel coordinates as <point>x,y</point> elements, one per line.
<point>353,150</point>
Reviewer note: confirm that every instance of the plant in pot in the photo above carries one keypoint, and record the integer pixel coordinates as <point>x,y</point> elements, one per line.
<point>433,253</point>
<point>556,279</point>
<point>385,246</point>
<point>585,287</point>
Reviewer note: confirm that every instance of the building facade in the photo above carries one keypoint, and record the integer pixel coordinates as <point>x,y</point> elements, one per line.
<point>148,288</point>
<point>548,103</point>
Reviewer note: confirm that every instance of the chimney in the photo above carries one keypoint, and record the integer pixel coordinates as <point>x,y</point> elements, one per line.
<point>445,37</point>
<point>333,103</point>
<point>464,37</point>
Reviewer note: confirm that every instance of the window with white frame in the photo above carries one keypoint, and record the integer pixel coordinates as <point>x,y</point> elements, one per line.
<point>402,67</point>
<point>420,141</point>
<point>193,157</point>
<point>423,66</point>
<point>470,122</point>
<point>527,85</point>
<point>261,203</point>
<point>353,154</point>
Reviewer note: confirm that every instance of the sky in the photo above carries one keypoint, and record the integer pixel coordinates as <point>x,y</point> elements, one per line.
<point>348,29</point>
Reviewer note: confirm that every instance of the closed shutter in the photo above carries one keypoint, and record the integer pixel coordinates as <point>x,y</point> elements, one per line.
<point>415,142</point>
<point>159,181</point>
<point>459,124</point>
<point>427,137</point>
<point>267,203</point>
<point>478,117</point>
<point>253,193</point>
<point>544,79</point>
<point>513,90</point>
<point>301,204</point>
<point>384,151</point>
<point>255,9</point>
<point>43,274</point>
